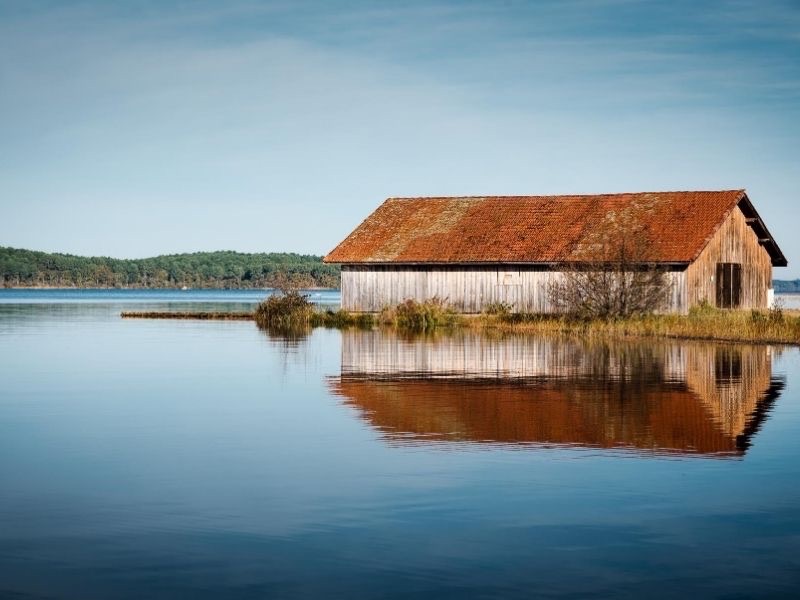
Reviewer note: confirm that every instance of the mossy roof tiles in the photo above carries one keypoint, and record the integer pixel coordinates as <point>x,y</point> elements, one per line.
<point>529,229</point>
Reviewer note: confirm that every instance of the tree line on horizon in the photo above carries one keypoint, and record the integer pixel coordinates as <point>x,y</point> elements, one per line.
<point>786,287</point>
<point>222,269</point>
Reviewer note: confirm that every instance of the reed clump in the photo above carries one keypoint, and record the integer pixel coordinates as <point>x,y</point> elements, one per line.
<point>287,310</point>
<point>291,310</point>
<point>420,316</point>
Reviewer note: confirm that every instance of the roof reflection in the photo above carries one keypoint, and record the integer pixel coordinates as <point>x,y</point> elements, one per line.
<point>664,397</point>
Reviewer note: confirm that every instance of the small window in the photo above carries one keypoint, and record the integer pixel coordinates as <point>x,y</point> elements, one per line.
<point>510,279</point>
<point>729,285</point>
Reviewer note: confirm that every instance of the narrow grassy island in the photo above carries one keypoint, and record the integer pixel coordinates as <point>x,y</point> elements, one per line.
<point>199,315</point>
<point>292,311</point>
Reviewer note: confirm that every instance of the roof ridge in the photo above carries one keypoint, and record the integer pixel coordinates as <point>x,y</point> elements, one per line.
<point>607,194</point>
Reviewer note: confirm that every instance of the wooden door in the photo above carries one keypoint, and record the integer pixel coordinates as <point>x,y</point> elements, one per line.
<point>729,285</point>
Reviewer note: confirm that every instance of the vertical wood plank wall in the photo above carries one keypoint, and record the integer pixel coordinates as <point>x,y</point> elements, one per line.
<point>369,288</point>
<point>734,242</point>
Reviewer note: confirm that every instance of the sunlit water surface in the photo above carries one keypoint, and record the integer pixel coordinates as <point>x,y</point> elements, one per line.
<point>181,459</point>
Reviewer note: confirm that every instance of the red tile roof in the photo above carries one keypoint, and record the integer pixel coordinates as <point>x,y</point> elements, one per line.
<point>528,229</point>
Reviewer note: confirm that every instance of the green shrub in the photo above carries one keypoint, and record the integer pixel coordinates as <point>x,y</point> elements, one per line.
<point>284,311</point>
<point>292,310</point>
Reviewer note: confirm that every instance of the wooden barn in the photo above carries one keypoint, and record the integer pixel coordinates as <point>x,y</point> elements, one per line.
<point>473,251</point>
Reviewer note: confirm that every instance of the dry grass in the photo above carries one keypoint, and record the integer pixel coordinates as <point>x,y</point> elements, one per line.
<point>412,315</point>
<point>341,319</point>
<point>704,323</point>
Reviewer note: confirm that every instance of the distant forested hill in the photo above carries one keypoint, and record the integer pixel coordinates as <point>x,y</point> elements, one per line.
<point>28,268</point>
<point>786,287</point>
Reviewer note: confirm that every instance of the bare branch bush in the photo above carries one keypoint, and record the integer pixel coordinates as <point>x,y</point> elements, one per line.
<point>613,271</point>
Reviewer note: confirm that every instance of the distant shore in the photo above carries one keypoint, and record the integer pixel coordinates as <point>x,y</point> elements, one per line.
<point>221,269</point>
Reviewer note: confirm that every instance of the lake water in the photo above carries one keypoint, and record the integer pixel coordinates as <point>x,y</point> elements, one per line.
<point>182,459</point>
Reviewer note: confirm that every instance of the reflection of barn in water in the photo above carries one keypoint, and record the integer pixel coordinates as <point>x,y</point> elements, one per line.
<point>693,398</point>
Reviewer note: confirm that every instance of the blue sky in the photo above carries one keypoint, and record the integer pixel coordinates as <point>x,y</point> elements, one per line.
<point>138,128</point>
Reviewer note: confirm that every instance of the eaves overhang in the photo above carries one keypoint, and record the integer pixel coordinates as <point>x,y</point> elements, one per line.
<point>762,233</point>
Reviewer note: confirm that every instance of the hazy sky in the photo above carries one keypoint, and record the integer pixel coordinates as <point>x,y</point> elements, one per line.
<point>138,128</point>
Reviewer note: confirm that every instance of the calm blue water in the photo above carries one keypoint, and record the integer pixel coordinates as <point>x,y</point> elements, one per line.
<point>175,459</point>
<point>788,300</point>
<point>139,296</point>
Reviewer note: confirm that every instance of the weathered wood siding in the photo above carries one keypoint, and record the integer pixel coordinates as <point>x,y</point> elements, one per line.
<point>369,288</point>
<point>734,242</point>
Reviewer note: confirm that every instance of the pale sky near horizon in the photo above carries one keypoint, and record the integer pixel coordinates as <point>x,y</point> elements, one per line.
<point>138,128</point>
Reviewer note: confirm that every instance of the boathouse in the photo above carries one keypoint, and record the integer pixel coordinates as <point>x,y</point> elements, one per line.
<point>473,251</point>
